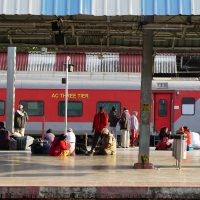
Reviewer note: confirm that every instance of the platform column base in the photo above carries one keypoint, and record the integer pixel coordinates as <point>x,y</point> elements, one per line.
<point>143,166</point>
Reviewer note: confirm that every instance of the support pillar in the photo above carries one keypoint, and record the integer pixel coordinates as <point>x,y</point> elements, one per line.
<point>10,96</point>
<point>145,98</point>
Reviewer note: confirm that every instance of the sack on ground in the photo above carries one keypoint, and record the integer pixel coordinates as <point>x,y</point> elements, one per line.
<point>40,146</point>
<point>21,143</point>
<point>12,143</point>
<point>29,141</point>
<point>195,140</point>
<point>80,149</point>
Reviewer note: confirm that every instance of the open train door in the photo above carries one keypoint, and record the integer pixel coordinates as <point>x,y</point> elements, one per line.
<point>162,110</point>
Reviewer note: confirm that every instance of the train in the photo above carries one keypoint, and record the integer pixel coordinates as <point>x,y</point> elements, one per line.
<point>175,101</point>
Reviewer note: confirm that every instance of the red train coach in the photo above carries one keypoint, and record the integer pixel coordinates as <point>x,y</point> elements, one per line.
<point>174,102</point>
<point>44,100</point>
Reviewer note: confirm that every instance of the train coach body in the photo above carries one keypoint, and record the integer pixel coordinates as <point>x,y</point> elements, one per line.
<point>174,102</point>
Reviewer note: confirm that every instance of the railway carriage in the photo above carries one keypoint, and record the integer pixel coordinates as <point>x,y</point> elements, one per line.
<point>174,102</point>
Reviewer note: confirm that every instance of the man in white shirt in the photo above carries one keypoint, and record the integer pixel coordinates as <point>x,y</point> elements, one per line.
<point>20,119</point>
<point>134,127</point>
<point>71,138</point>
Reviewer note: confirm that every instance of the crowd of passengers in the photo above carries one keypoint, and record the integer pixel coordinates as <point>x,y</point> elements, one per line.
<point>104,135</point>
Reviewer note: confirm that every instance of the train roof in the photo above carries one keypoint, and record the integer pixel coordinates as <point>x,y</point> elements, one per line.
<point>97,80</point>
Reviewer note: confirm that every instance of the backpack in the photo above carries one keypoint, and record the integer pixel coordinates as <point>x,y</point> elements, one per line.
<point>40,146</point>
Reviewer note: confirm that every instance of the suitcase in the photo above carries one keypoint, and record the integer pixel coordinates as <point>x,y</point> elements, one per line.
<point>21,143</point>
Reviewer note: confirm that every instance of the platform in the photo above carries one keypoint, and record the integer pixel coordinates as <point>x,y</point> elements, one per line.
<point>98,177</point>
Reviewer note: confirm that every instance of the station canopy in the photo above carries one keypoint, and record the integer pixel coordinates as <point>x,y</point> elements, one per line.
<point>105,24</point>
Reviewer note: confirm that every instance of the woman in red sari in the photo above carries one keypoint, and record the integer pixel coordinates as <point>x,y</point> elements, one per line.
<point>165,141</point>
<point>59,147</point>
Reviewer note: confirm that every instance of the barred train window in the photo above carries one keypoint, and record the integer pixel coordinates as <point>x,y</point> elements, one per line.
<point>162,108</point>
<point>74,109</point>
<point>33,108</point>
<point>2,105</point>
<point>107,105</point>
<point>188,106</point>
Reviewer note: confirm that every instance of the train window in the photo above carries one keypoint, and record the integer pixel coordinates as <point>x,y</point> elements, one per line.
<point>107,105</point>
<point>33,108</point>
<point>2,105</point>
<point>75,108</point>
<point>162,108</point>
<point>188,106</point>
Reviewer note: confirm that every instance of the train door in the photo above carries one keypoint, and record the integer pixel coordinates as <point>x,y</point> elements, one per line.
<point>162,111</point>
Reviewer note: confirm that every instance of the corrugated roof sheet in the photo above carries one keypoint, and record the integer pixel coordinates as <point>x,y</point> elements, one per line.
<point>20,7</point>
<point>165,63</point>
<point>100,7</point>
<point>116,7</point>
<point>166,7</point>
<point>195,7</point>
<point>66,7</point>
<point>90,62</point>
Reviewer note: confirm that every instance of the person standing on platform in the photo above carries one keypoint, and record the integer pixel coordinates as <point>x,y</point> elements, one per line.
<point>125,127</point>
<point>113,120</point>
<point>134,127</point>
<point>100,121</point>
<point>20,119</point>
<point>187,133</point>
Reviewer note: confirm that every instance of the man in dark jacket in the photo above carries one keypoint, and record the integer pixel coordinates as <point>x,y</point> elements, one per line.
<point>125,127</point>
<point>19,121</point>
<point>113,119</point>
<point>100,121</point>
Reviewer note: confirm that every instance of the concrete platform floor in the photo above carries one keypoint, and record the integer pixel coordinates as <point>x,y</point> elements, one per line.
<point>98,177</point>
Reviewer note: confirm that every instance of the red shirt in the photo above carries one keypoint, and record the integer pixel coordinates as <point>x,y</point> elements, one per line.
<point>57,146</point>
<point>100,121</point>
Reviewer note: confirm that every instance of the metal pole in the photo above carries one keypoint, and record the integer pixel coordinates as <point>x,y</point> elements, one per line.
<point>66,91</point>
<point>10,97</point>
<point>146,85</point>
<point>145,98</point>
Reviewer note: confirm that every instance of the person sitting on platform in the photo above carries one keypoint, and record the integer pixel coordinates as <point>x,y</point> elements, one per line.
<point>100,121</point>
<point>60,147</point>
<point>71,138</point>
<point>4,137</point>
<point>49,136</point>
<point>107,144</point>
<point>165,141</point>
